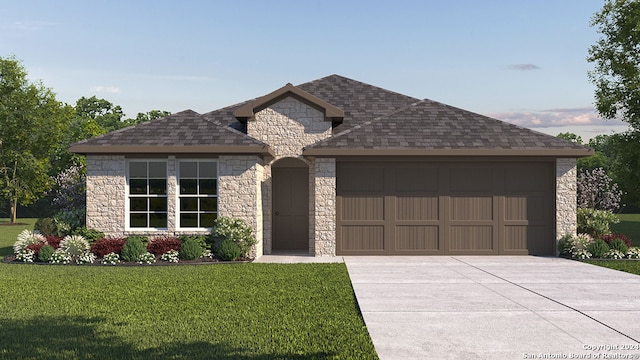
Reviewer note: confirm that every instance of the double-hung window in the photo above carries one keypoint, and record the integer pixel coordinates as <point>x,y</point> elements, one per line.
<point>197,193</point>
<point>147,194</point>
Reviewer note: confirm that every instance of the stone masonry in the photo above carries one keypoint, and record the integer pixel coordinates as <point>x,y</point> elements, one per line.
<point>106,185</point>
<point>324,214</point>
<point>288,126</point>
<point>566,196</point>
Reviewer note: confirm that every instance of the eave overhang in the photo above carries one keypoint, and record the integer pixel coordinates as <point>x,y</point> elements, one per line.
<point>171,149</point>
<point>571,153</point>
<point>248,110</point>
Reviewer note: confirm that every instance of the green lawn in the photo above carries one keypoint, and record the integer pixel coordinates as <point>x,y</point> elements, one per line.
<point>630,226</point>
<point>9,233</point>
<point>224,311</point>
<point>622,265</point>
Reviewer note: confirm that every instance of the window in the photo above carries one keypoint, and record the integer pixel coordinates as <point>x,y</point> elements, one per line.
<point>197,194</point>
<point>147,194</point>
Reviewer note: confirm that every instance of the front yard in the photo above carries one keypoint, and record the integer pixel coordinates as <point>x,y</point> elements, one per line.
<point>224,311</point>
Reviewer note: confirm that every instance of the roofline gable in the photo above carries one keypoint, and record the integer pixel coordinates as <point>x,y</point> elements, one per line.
<point>248,110</point>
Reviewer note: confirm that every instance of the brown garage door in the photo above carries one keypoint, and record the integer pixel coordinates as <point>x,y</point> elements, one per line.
<point>445,208</point>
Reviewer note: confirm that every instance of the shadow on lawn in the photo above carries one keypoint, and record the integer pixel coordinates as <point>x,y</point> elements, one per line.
<point>78,338</point>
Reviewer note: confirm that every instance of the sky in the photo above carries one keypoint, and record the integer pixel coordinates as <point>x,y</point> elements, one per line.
<point>521,61</point>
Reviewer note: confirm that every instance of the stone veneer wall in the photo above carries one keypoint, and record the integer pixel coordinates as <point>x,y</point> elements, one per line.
<point>240,192</point>
<point>566,197</point>
<point>288,126</point>
<point>106,184</point>
<point>323,194</point>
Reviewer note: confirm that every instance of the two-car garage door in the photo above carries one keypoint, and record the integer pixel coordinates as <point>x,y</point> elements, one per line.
<point>445,208</point>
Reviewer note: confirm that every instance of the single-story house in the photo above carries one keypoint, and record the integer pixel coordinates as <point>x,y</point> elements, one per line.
<point>335,166</point>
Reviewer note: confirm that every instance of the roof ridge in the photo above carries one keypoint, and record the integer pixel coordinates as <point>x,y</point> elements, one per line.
<point>353,80</point>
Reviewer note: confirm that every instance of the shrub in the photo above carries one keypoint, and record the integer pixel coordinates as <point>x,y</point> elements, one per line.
<point>200,239</point>
<point>146,258</point>
<point>190,250</point>
<point>133,248</point>
<point>608,238</point>
<point>633,253</point>
<point>45,253</point>
<point>69,220</point>
<point>598,248</point>
<point>171,256</point>
<point>25,238</point>
<point>54,240</point>
<point>595,222</point>
<point>619,245</point>
<point>90,235</point>
<point>234,230</point>
<point>111,259</point>
<point>582,254</point>
<point>228,250</point>
<point>143,239</point>
<point>35,247</point>
<point>87,258</point>
<point>46,226</point>
<point>74,245</point>
<point>564,244</point>
<point>60,257</point>
<point>614,254</point>
<point>162,245</point>
<point>25,255</point>
<point>596,190</point>
<point>103,247</point>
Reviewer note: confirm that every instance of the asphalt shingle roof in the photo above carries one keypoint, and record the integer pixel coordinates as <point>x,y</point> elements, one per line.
<point>374,119</point>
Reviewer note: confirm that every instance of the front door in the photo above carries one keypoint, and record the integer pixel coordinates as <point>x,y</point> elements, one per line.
<point>290,208</point>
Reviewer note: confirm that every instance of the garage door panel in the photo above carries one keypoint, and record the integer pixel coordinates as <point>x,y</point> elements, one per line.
<point>417,238</point>
<point>361,179</point>
<point>532,207</point>
<point>471,179</point>
<point>471,208</point>
<point>417,208</point>
<point>417,179</point>
<point>515,237</point>
<point>362,238</point>
<point>363,208</point>
<point>470,238</point>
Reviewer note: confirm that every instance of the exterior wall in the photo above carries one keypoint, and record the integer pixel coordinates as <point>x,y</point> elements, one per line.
<point>323,196</point>
<point>566,197</point>
<point>240,192</point>
<point>106,185</point>
<point>288,126</point>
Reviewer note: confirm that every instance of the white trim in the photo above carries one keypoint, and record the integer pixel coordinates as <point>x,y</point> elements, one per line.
<point>197,196</point>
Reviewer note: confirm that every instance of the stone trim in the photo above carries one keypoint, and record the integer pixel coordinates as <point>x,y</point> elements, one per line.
<point>323,193</point>
<point>566,197</point>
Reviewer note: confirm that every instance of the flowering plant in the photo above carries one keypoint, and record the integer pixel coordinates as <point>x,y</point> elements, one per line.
<point>613,254</point>
<point>27,237</point>
<point>26,255</point>
<point>111,259</point>
<point>633,253</point>
<point>74,245</point>
<point>60,257</point>
<point>582,254</point>
<point>87,258</point>
<point>171,256</point>
<point>146,258</point>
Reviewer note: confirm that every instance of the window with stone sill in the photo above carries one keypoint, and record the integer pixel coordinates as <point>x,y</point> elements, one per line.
<point>197,193</point>
<point>147,194</point>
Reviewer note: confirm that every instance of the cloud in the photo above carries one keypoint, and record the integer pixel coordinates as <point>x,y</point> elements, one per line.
<point>523,67</point>
<point>555,117</point>
<point>106,89</point>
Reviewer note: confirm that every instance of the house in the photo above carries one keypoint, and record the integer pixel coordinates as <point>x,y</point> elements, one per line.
<point>338,167</point>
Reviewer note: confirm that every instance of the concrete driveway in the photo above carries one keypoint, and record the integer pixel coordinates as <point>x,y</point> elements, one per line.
<point>507,307</point>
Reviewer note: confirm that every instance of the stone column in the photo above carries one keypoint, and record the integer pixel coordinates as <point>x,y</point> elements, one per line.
<point>324,192</point>
<point>566,197</point>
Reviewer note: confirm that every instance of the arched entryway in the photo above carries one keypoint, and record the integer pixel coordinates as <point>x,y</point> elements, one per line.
<point>290,209</point>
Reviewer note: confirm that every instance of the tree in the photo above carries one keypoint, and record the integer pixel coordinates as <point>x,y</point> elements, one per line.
<point>598,191</point>
<point>31,126</point>
<point>102,112</point>
<point>571,137</point>
<point>616,56</point>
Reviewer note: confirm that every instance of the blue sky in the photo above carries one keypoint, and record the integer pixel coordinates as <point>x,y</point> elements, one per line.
<point>521,61</point>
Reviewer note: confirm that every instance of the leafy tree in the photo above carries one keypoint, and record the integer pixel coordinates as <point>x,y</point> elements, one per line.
<point>571,137</point>
<point>625,168</point>
<point>598,191</point>
<point>150,115</point>
<point>31,126</point>
<point>616,56</point>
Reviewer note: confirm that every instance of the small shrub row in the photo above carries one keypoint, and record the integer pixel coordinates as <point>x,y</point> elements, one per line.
<point>583,246</point>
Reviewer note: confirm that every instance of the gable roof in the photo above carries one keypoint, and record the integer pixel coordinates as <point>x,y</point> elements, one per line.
<point>248,110</point>
<point>431,128</point>
<point>375,121</point>
<point>183,132</point>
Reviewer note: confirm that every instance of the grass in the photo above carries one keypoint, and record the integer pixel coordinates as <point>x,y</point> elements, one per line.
<point>232,311</point>
<point>622,265</point>
<point>9,233</point>
<point>630,226</point>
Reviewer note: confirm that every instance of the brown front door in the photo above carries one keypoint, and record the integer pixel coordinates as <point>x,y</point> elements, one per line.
<point>290,208</point>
